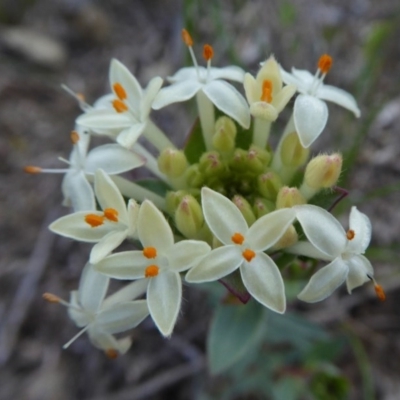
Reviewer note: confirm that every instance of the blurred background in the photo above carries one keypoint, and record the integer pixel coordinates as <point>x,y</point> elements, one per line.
<point>347,347</point>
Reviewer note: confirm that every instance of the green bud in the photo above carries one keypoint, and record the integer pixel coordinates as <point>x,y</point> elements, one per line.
<point>262,207</point>
<point>172,162</point>
<point>194,177</point>
<point>269,184</point>
<point>225,134</point>
<point>211,165</point>
<point>245,208</point>
<point>257,159</point>
<point>289,238</point>
<point>172,200</point>
<point>289,197</point>
<point>189,217</point>
<point>238,162</point>
<point>293,154</point>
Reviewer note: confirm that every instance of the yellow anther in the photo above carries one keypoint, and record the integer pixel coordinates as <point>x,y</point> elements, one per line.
<point>119,91</point>
<point>151,271</point>
<point>150,252</point>
<point>74,137</point>
<point>325,63</point>
<point>111,354</point>
<point>51,298</point>
<point>248,255</point>
<point>237,238</point>
<point>187,39</point>
<point>266,94</point>
<point>111,214</point>
<point>208,52</point>
<point>119,106</point>
<point>30,169</point>
<point>380,292</point>
<point>350,234</point>
<point>94,220</point>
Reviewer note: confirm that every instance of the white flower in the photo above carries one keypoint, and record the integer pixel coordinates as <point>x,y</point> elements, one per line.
<point>310,111</point>
<point>129,117</point>
<point>330,242</point>
<point>243,248</point>
<point>108,228</point>
<point>160,261</point>
<point>102,318</point>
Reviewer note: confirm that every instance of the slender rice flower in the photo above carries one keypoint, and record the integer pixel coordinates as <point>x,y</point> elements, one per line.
<point>243,248</point>
<point>330,242</point>
<point>160,262</point>
<point>76,188</point>
<point>129,116</point>
<point>102,318</point>
<point>310,109</point>
<point>107,228</point>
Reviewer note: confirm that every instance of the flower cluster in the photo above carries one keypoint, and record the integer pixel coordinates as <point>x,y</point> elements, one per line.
<point>226,207</point>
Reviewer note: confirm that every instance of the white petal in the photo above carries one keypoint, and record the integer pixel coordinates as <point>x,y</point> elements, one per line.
<point>104,119</point>
<point>176,93</point>
<point>122,316</point>
<point>359,270</point>
<point>129,136</point>
<point>129,292</point>
<point>164,300</point>
<point>308,250</point>
<point>104,102</point>
<point>185,254</point>
<point>267,230</point>
<point>250,89</point>
<point>283,97</point>
<point>108,195</point>
<point>78,191</point>
<point>322,230</point>
<point>107,244</point>
<point>217,264</point>
<point>306,78</point>
<point>325,281</point>
<point>149,95</point>
<point>187,74</point>
<point>263,280</point>
<point>291,79</point>
<point>102,340</point>
<point>232,73</point>
<point>310,117</point>
<point>226,98</point>
<point>361,225</point>
<point>133,214</point>
<point>340,97</point>
<point>76,312</point>
<point>153,228</point>
<point>222,216</point>
<point>113,159</point>
<point>92,288</point>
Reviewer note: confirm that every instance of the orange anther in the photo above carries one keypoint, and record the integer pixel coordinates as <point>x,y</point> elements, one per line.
<point>325,63</point>
<point>208,52</point>
<point>30,169</point>
<point>94,220</point>
<point>150,252</point>
<point>119,91</point>
<point>111,214</point>
<point>266,94</point>
<point>80,96</point>
<point>151,271</point>
<point>74,137</point>
<point>380,292</point>
<point>237,238</point>
<point>51,298</point>
<point>119,106</point>
<point>111,354</point>
<point>350,234</point>
<point>248,255</point>
<point>187,39</point>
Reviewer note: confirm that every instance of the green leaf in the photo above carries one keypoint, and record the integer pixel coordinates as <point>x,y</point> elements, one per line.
<point>195,146</point>
<point>155,186</point>
<point>235,330</point>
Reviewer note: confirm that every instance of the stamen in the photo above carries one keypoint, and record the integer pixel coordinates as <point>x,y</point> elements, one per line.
<point>237,238</point>
<point>248,255</point>
<point>119,106</point>
<point>266,94</point>
<point>80,96</point>
<point>94,220</point>
<point>111,214</point>
<point>30,169</point>
<point>74,137</point>
<point>380,292</point>
<point>208,52</point>
<point>119,91</point>
<point>187,39</point>
<point>350,234</point>
<point>325,63</point>
<point>51,298</point>
<point>112,354</point>
<point>151,271</point>
<point>150,252</point>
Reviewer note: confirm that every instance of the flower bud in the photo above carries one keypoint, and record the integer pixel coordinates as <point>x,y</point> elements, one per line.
<point>292,153</point>
<point>189,216</point>
<point>238,162</point>
<point>269,184</point>
<point>245,208</point>
<point>172,200</point>
<point>257,159</point>
<point>194,177</point>
<point>289,197</point>
<point>262,207</point>
<point>211,165</point>
<point>289,238</point>
<point>172,162</point>
<point>225,134</point>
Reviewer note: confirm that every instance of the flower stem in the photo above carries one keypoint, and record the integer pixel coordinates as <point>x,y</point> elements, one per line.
<point>276,164</point>
<point>157,137</point>
<point>261,131</point>
<point>151,162</point>
<point>207,118</point>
